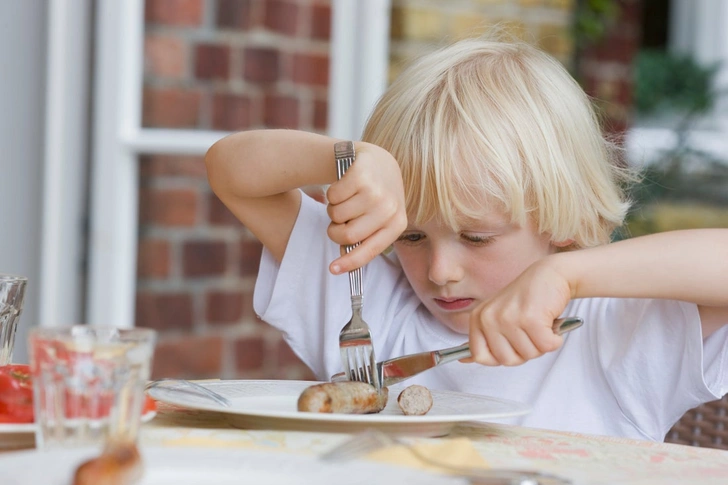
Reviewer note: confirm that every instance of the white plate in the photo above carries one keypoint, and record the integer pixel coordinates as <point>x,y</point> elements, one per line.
<point>219,466</point>
<point>23,435</point>
<point>272,405</point>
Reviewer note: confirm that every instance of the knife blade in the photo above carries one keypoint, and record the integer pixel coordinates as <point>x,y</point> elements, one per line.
<point>393,371</point>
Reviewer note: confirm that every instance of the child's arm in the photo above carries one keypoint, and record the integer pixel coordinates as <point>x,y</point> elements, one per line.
<point>256,174</point>
<point>680,265</point>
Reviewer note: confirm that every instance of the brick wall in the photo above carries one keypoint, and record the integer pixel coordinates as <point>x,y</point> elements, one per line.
<point>220,65</point>
<point>605,67</point>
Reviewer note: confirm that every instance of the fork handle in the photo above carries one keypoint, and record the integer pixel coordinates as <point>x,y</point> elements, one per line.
<point>560,327</point>
<point>345,155</point>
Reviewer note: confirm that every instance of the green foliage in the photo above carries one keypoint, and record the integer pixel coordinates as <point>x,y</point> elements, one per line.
<point>592,19</point>
<point>684,177</point>
<point>668,82</point>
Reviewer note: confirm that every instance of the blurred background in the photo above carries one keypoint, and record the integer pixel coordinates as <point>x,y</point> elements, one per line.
<point>107,107</point>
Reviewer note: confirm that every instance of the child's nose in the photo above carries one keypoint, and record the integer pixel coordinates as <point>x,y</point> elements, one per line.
<point>444,269</point>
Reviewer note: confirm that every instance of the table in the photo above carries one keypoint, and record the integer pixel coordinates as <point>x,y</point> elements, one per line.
<point>584,459</point>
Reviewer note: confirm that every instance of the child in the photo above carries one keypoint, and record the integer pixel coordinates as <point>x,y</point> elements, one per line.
<point>484,165</point>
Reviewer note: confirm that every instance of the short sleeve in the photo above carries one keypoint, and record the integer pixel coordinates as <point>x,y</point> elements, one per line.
<point>715,362</point>
<point>655,360</point>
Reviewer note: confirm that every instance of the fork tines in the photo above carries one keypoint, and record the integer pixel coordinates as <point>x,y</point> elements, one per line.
<point>359,359</point>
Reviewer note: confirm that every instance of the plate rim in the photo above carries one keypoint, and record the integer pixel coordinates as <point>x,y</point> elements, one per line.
<point>374,418</point>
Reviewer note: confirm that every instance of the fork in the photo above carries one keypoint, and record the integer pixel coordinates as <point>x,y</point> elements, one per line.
<point>176,385</point>
<point>355,339</point>
<point>371,439</point>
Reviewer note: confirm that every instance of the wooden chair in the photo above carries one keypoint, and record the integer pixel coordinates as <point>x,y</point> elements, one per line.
<point>705,426</point>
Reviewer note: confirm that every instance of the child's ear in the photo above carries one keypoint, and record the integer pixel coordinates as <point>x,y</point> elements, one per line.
<point>562,244</point>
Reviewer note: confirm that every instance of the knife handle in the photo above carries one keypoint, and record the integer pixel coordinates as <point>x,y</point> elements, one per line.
<point>560,327</point>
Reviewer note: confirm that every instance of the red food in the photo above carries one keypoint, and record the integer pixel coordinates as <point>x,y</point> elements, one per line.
<point>16,394</point>
<point>150,405</point>
<point>16,397</point>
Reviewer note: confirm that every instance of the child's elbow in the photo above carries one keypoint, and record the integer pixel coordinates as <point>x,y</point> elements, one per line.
<point>214,166</point>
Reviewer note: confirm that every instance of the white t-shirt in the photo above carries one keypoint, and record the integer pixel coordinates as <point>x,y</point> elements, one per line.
<point>632,369</point>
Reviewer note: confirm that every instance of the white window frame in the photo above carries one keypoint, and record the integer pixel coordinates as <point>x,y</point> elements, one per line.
<point>358,76</point>
<point>60,290</point>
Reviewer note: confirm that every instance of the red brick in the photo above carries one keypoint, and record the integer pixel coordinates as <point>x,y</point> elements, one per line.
<point>188,357</point>
<point>311,69</point>
<point>172,165</point>
<point>164,311</point>
<point>219,214</point>
<point>616,46</point>
<point>224,307</point>
<point>250,353</point>
<point>231,112</point>
<point>281,112</point>
<point>250,252</point>
<point>285,355</point>
<point>153,260</point>
<point>235,14</point>
<point>204,258</point>
<point>261,65</point>
<point>212,61</point>
<point>630,12</point>
<point>624,93</point>
<point>281,16</point>
<point>296,373</point>
<point>171,108</point>
<point>164,56</point>
<point>320,115</point>
<point>249,311</point>
<point>321,22</point>
<point>173,12</point>
<point>168,207</point>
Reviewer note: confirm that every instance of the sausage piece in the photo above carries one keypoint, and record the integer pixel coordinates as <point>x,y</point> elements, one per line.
<point>415,400</point>
<point>119,464</point>
<point>347,397</point>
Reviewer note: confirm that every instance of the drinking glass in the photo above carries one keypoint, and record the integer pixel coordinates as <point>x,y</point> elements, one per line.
<point>88,383</point>
<point>12,294</point>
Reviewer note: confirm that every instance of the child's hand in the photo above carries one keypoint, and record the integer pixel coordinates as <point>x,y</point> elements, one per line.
<point>367,206</point>
<point>516,324</point>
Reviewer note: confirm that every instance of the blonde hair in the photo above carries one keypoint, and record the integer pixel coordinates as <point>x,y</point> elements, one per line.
<point>507,121</point>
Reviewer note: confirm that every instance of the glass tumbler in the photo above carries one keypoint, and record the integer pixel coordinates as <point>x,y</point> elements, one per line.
<point>12,294</point>
<point>88,383</point>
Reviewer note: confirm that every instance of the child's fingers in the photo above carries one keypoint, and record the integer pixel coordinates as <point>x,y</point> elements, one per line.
<point>523,345</point>
<point>340,191</point>
<point>501,348</point>
<point>349,209</point>
<point>369,249</point>
<point>362,228</point>
<point>480,351</point>
<point>546,340</point>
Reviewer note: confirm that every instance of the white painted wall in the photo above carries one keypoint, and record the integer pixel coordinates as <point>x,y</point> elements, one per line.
<point>22,93</point>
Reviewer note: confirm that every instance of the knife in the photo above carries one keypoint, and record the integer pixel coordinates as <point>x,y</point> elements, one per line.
<point>396,370</point>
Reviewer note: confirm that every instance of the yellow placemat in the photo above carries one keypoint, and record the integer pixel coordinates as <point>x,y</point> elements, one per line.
<point>458,452</point>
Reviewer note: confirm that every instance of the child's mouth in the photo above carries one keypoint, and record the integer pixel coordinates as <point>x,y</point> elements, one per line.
<point>452,304</point>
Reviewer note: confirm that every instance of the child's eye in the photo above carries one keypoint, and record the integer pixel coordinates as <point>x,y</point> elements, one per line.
<point>411,237</point>
<point>478,240</point>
